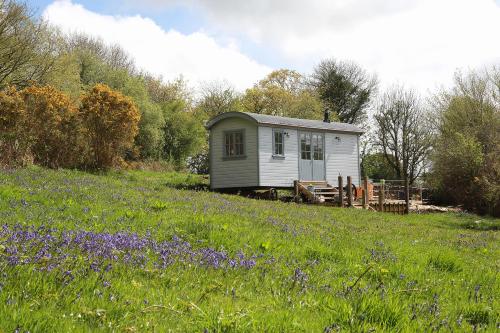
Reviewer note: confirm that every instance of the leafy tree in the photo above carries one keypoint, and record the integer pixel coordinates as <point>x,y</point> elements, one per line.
<point>111,123</point>
<point>161,92</point>
<point>286,79</point>
<point>402,132</point>
<point>466,164</point>
<point>112,56</point>
<point>375,166</point>
<point>95,66</point>
<point>184,133</point>
<point>169,97</point>
<point>283,93</point>
<point>65,76</point>
<point>150,139</point>
<point>27,46</point>
<point>345,88</point>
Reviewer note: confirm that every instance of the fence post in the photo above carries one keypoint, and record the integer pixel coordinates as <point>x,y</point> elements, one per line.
<point>381,195</point>
<point>349,191</point>
<point>341,192</point>
<point>407,196</point>
<point>365,193</point>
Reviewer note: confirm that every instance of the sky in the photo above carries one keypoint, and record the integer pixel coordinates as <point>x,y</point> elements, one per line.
<point>417,43</point>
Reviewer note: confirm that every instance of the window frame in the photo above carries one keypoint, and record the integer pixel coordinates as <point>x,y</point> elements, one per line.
<point>282,132</point>
<point>242,155</point>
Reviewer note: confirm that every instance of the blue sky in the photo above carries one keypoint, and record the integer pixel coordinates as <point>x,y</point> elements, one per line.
<point>182,18</point>
<point>185,19</point>
<point>419,43</point>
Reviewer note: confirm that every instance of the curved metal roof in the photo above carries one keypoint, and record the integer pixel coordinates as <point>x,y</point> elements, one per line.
<point>264,119</point>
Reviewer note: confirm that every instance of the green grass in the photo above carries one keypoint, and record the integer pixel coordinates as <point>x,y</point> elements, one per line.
<point>318,269</point>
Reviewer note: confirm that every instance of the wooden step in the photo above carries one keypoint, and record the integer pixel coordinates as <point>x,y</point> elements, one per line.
<point>312,181</point>
<point>319,191</point>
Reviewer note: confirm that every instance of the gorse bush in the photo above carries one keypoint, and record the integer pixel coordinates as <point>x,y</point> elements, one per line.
<point>14,146</point>
<point>41,122</point>
<point>52,125</point>
<point>110,121</point>
<point>38,123</point>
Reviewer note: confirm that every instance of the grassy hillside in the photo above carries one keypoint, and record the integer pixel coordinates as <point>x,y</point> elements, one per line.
<point>135,252</point>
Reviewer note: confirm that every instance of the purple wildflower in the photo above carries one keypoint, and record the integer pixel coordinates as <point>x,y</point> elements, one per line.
<point>49,248</point>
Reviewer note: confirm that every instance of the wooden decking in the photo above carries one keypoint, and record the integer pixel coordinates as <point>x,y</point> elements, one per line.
<point>323,193</point>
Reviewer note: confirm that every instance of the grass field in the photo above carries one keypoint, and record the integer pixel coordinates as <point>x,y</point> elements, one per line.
<point>142,251</point>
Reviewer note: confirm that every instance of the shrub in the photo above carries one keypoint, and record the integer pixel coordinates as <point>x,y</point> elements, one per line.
<point>110,120</point>
<point>199,163</point>
<point>52,126</point>
<point>184,134</point>
<point>150,138</point>
<point>14,141</point>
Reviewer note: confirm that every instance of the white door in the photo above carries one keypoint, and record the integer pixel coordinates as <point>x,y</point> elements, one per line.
<point>318,156</point>
<point>305,161</point>
<point>312,156</point>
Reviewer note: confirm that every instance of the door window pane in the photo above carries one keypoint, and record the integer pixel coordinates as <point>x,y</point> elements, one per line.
<point>318,147</point>
<point>305,146</point>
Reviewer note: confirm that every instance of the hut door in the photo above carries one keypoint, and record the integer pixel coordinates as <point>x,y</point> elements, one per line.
<point>312,156</point>
<point>318,156</point>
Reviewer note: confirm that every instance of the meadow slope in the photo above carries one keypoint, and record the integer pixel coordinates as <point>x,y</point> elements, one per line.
<point>142,251</point>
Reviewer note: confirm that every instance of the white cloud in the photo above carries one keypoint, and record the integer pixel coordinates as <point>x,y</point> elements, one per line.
<point>197,56</point>
<point>416,42</point>
<point>419,43</point>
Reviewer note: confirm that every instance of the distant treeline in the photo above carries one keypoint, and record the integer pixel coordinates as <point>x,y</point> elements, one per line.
<point>74,101</point>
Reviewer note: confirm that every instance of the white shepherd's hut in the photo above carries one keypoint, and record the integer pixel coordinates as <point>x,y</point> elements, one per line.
<point>249,150</point>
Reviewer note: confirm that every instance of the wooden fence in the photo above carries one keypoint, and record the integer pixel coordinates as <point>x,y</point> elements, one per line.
<point>367,197</point>
<point>395,190</point>
<point>390,207</point>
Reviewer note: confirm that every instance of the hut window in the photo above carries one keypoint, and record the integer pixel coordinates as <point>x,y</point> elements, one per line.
<point>278,142</point>
<point>234,144</point>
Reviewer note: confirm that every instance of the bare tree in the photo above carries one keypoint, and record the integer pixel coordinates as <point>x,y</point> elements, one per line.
<point>27,45</point>
<point>218,97</point>
<point>345,88</point>
<point>112,55</point>
<point>402,132</point>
